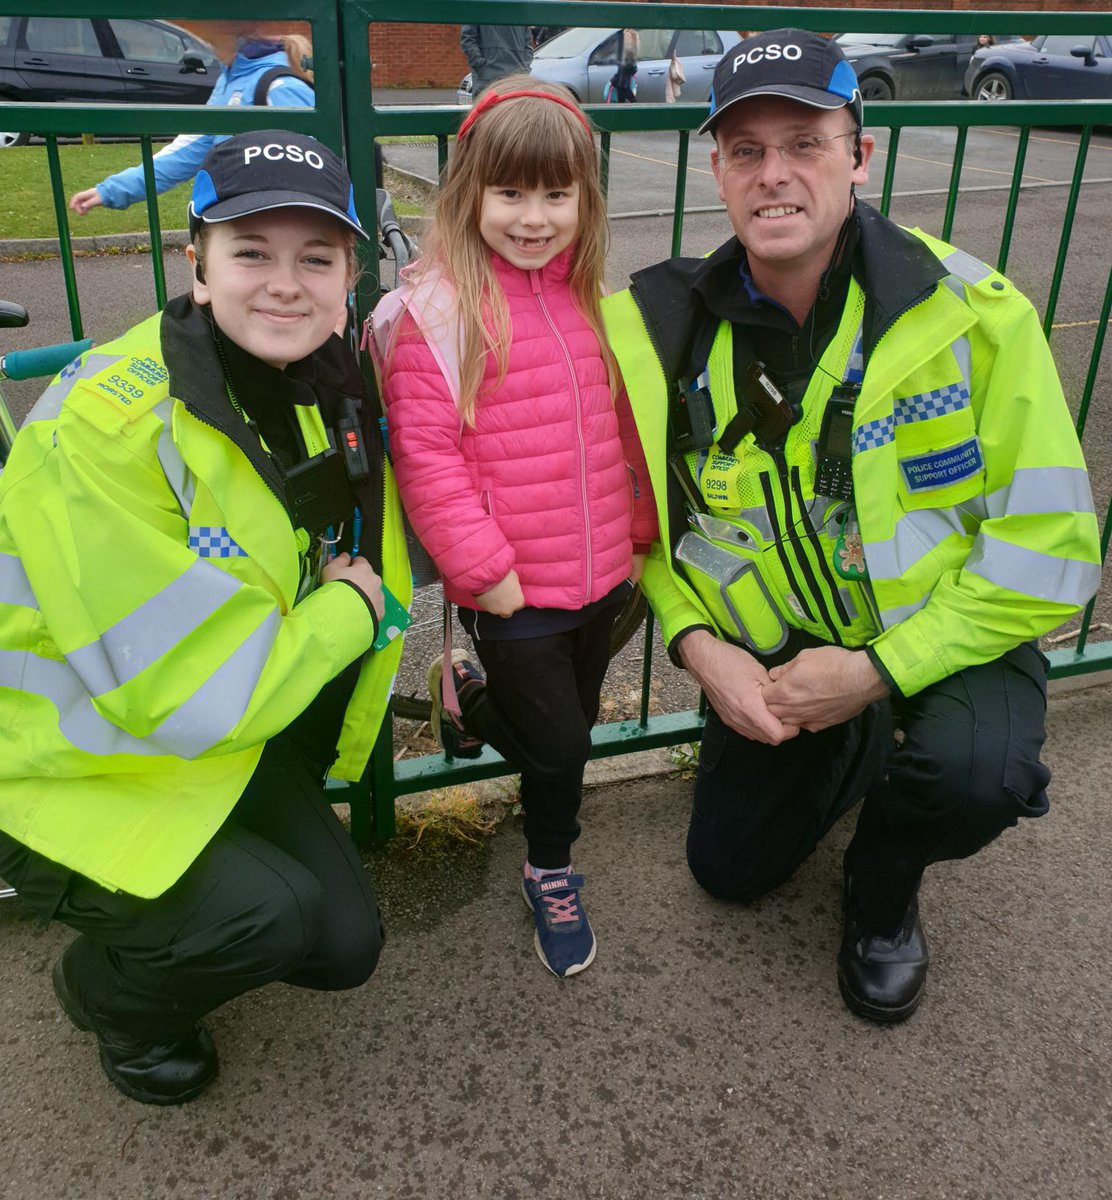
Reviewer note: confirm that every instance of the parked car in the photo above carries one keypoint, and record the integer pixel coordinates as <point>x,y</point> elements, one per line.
<point>102,60</point>
<point>910,66</point>
<point>584,59</point>
<point>1057,66</point>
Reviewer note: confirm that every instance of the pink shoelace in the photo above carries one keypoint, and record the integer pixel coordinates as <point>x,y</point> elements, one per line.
<point>561,908</point>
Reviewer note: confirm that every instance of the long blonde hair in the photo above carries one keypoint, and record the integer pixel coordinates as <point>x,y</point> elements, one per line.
<point>524,142</point>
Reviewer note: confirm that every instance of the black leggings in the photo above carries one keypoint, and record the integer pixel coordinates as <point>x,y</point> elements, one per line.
<point>540,701</point>
<point>278,894</point>
<point>967,768</point>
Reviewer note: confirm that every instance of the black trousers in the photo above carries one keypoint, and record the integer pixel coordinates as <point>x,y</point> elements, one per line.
<point>966,767</point>
<point>540,701</point>
<point>278,894</point>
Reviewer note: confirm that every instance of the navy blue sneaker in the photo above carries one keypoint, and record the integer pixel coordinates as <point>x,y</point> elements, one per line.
<point>564,940</point>
<point>446,727</point>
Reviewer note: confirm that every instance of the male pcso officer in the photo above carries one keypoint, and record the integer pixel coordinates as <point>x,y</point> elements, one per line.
<point>872,502</point>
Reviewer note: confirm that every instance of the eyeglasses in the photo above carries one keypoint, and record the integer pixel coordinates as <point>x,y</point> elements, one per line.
<point>748,156</point>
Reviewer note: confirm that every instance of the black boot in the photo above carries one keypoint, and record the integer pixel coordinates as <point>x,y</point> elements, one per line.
<point>168,1073</point>
<point>882,974</point>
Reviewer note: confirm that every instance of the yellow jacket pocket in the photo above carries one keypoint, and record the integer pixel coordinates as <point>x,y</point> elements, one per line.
<point>735,595</point>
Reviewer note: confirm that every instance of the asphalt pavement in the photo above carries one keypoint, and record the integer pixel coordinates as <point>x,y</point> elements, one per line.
<point>704,1055</point>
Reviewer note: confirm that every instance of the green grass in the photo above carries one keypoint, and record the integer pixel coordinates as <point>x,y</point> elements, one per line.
<point>27,207</point>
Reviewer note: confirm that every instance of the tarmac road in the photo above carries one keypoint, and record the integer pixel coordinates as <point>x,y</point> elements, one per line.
<point>705,1055</point>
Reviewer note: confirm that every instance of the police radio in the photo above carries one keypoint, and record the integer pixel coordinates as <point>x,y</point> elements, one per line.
<point>834,468</point>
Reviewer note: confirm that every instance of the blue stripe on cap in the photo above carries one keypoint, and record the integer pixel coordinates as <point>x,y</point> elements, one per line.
<point>204,192</point>
<point>843,82</point>
<point>351,205</point>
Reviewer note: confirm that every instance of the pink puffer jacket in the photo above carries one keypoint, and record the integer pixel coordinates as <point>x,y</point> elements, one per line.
<point>549,482</point>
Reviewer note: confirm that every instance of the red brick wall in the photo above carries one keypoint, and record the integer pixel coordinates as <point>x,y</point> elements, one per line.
<point>416,56</point>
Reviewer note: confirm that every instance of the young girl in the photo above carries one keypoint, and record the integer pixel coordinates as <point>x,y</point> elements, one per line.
<point>518,462</point>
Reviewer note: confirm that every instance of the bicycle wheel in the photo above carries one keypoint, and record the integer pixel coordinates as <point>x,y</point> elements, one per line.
<point>411,702</point>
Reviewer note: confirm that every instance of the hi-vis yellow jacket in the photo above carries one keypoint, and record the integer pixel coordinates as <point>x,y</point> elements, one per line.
<point>972,501</point>
<point>155,625</point>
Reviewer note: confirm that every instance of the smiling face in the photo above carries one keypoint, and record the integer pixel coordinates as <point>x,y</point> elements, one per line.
<point>527,226</point>
<point>787,213</point>
<point>277,281</point>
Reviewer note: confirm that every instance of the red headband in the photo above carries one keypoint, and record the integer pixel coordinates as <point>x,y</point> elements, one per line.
<point>490,99</point>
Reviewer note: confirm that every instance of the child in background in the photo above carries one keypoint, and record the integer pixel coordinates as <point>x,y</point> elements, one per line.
<point>259,68</point>
<point>624,80</point>
<point>518,463</point>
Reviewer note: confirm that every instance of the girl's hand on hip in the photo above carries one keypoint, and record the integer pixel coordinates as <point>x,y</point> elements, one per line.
<point>504,599</point>
<point>359,572</point>
<point>638,568</point>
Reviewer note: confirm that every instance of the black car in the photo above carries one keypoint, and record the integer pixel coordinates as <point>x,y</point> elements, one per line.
<point>103,60</point>
<point>910,66</point>
<point>1059,66</point>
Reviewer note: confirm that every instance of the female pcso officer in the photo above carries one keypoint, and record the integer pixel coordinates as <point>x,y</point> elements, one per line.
<point>181,659</point>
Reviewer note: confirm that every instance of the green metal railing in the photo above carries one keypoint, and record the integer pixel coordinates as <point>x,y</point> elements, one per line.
<point>346,116</point>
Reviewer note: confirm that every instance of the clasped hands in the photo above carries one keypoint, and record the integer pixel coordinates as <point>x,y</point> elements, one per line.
<point>818,688</point>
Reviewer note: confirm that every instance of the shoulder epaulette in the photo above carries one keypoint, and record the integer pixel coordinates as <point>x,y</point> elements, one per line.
<point>129,372</point>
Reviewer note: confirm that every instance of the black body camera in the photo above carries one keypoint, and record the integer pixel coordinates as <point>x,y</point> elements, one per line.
<point>692,419</point>
<point>318,493</point>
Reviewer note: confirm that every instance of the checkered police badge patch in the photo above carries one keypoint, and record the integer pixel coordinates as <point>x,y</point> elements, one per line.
<point>214,541</point>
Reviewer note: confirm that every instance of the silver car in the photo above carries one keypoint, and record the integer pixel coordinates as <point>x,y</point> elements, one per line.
<point>584,60</point>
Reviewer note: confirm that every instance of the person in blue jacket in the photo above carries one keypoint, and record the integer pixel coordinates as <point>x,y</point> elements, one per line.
<point>272,65</point>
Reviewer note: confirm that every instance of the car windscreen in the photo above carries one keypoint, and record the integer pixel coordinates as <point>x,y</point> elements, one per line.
<point>572,43</point>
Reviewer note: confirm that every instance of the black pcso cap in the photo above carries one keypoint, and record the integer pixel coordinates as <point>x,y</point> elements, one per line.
<point>271,168</point>
<point>793,63</point>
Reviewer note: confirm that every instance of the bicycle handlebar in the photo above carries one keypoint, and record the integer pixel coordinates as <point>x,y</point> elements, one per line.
<point>43,360</point>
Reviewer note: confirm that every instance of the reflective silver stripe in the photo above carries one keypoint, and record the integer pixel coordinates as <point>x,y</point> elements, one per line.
<point>206,717</point>
<point>724,528</point>
<point>727,529</point>
<point>1062,580</point>
<point>893,616</point>
<point>916,534</point>
<point>963,352</point>
<point>1043,490</point>
<point>49,404</point>
<point>153,629</point>
<point>847,601</point>
<point>80,723</point>
<point>215,709</point>
<point>15,588</point>
<point>966,267</point>
<point>178,475</point>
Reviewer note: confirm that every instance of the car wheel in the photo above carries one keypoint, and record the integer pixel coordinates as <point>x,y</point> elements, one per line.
<point>875,87</point>
<point>992,86</point>
<point>7,140</point>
